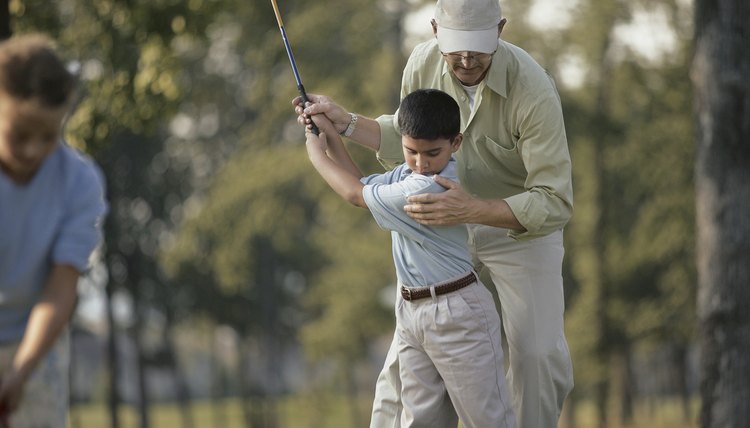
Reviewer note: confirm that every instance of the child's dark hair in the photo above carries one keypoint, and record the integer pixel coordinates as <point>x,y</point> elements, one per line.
<point>31,69</point>
<point>429,114</point>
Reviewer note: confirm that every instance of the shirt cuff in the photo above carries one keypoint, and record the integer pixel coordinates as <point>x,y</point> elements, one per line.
<point>530,212</point>
<point>390,154</point>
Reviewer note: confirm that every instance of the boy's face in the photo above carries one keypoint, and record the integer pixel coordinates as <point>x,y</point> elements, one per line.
<point>428,157</point>
<point>29,132</point>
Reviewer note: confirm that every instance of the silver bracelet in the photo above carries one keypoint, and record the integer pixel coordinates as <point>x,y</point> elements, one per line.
<point>352,125</point>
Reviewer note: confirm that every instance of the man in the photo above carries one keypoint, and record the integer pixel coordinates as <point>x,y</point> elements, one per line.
<point>515,193</point>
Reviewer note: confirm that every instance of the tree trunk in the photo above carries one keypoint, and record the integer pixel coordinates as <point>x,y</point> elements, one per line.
<point>182,388</point>
<point>568,414</point>
<point>219,387</point>
<point>352,393</point>
<point>679,361</point>
<point>720,71</point>
<point>5,32</point>
<point>143,397</point>
<point>622,385</point>
<point>112,359</point>
<point>603,346</point>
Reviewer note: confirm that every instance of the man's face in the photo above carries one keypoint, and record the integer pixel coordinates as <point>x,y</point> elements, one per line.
<point>428,157</point>
<point>469,67</point>
<point>29,132</point>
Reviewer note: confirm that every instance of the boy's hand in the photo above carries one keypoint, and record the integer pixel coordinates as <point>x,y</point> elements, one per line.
<point>316,142</point>
<point>11,390</point>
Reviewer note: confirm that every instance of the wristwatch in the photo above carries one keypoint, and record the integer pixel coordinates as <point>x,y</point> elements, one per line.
<point>352,125</point>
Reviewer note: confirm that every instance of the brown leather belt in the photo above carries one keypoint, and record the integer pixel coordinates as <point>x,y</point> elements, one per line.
<point>411,293</point>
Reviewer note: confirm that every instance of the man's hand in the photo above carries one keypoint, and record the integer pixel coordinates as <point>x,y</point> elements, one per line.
<point>456,206</point>
<point>451,207</point>
<point>321,104</point>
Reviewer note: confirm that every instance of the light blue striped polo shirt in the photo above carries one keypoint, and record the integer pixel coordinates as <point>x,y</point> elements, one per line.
<point>423,255</point>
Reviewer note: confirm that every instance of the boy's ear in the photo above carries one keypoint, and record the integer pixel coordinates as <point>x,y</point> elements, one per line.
<point>456,143</point>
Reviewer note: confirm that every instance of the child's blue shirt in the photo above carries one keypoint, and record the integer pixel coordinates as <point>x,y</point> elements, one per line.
<point>54,219</point>
<point>423,255</point>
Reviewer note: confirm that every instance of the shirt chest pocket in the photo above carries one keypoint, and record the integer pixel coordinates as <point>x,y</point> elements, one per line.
<point>503,154</point>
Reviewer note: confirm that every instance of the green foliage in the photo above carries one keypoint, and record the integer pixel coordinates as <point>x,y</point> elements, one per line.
<point>631,242</point>
<point>187,107</point>
<point>268,190</point>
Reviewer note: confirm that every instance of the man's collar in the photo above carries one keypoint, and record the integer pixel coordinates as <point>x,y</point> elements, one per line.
<point>497,75</point>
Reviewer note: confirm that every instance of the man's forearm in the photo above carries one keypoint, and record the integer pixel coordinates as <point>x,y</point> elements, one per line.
<point>367,133</point>
<point>494,212</point>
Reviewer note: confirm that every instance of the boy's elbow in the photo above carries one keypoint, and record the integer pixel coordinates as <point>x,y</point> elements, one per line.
<point>356,199</point>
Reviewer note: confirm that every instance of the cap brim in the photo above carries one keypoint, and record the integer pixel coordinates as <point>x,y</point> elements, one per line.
<point>484,41</point>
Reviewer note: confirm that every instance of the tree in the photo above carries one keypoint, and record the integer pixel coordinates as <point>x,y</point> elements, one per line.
<point>722,105</point>
<point>629,263</point>
<point>4,19</point>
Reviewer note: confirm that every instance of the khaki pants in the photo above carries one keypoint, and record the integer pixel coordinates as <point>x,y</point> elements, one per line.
<point>528,278</point>
<point>450,357</point>
<point>45,400</point>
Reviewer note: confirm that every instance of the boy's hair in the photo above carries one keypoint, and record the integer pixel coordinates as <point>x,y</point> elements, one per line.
<point>31,69</point>
<point>429,114</point>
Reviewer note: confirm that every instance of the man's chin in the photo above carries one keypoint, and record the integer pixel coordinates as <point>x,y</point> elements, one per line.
<point>468,78</point>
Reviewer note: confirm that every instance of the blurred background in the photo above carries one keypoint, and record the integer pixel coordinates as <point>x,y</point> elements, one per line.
<point>235,289</point>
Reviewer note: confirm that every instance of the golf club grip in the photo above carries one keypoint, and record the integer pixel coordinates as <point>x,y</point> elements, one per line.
<point>306,100</point>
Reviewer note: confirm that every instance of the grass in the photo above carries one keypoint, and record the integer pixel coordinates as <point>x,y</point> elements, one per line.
<point>327,411</point>
<point>319,411</point>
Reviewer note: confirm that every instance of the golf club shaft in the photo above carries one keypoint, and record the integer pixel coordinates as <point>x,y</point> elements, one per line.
<point>288,47</point>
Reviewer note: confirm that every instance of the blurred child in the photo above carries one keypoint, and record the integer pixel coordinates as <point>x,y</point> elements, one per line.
<point>51,209</point>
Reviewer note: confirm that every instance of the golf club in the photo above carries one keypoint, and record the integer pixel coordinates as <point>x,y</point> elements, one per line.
<point>289,53</point>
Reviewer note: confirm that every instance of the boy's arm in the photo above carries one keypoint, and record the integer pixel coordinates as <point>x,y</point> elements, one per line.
<point>342,175</point>
<point>48,318</point>
<point>336,150</point>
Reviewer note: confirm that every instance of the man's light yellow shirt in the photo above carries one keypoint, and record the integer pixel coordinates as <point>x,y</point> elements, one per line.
<point>514,145</point>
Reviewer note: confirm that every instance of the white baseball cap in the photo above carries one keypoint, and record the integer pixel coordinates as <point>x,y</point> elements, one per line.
<point>467,25</point>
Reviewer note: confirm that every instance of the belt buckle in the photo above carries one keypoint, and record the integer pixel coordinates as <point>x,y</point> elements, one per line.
<point>407,295</point>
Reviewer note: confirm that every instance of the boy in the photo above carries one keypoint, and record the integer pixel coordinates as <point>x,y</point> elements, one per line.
<point>447,327</point>
<point>51,206</point>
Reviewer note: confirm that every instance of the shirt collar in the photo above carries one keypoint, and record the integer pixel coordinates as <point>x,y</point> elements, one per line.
<point>449,169</point>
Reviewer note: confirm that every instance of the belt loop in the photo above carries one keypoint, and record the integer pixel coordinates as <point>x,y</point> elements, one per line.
<point>432,293</point>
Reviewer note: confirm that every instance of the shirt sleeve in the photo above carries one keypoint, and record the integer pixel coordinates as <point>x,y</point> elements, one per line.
<point>547,203</point>
<point>81,229</point>
<point>386,203</point>
<point>390,153</point>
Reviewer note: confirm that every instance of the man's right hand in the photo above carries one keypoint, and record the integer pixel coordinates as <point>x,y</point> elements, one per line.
<point>321,104</point>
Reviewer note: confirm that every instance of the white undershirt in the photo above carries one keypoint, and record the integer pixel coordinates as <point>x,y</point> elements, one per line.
<point>471,92</point>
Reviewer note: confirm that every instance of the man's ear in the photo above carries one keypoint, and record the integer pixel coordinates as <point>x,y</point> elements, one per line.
<point>500,26</point>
